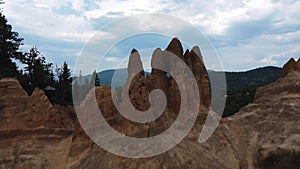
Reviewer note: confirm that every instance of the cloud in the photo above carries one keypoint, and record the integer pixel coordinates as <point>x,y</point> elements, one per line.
<point>264,50</point>
<point>112,59</point>
<point>246,34</point>
<point>40,19</point>
<point>277,57</point>
<point>78,5</point>
<point>126,8</point>
<point>45,3</point>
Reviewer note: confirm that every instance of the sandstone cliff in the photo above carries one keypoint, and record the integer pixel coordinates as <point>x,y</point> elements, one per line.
<point>34,134</point>
<point>268,129</point>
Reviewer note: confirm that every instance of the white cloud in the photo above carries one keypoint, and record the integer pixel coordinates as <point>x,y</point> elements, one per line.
<point>112,59</point>
<point>251,33</point>
<point>261,51</point>
<point>41,20</point>
<point>273,58</point>
<point>268,60</point>
<point>50,4</point>
<point>129,7</point>
<point>78,5</point>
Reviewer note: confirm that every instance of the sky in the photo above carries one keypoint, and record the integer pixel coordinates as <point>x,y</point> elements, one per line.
<point>245,34</point>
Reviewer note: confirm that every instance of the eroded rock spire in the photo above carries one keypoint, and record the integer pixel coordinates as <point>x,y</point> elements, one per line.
<point>175,47</point>
<point>290,66</point>
<point>135,64</point>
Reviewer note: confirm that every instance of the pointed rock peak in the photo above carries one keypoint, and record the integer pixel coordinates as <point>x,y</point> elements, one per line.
<point>158,60</point>
<point>196,51</point>
<point>135,64</point>
<point>290,66</point>
<point>186,53</point>
<point>175,42</point>
<point>175,47</point>
<point>188,59</point>
<point>39,96</point>
<point>11,93</point>
<point>156,57</point>
<point>38,93</point>
<point>134,51</point>
<point>157,52</point>
<point>291,61</point>
<point>11,86</point>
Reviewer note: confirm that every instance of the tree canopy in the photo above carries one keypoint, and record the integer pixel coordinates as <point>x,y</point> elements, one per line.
<point>64,84</point>
<point>9,48</point>
<point>36,71</point>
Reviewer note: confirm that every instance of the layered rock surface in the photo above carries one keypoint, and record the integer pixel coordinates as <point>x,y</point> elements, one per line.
<point>268,129</point>
<point>34,134</point>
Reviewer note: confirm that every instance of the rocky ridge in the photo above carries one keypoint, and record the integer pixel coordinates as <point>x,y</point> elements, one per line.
<point>268,129</point>
<point>32,130</point>
<point>290,67</point>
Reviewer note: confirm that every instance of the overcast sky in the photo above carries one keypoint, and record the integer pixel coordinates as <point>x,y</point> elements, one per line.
<point>246,34</point>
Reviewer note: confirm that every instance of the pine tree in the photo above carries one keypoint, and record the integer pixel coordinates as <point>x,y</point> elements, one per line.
<point>66,76</point>
<point>75,92</point>
<point>95,81</point>
<point>37,70</point>
<point>65,84</point>
<point>9,48</point>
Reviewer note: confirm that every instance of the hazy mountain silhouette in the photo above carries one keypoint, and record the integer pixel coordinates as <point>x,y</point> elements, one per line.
<point>236,81</point>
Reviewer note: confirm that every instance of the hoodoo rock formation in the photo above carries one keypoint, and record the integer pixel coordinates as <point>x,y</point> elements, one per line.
<point>140,86</point>
<point>158,78</point>
<point>138,92</point>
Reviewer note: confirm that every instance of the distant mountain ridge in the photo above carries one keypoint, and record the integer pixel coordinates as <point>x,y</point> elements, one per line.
<point>106,77</point>
<point>241,86</point>
<point>236,81</point>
